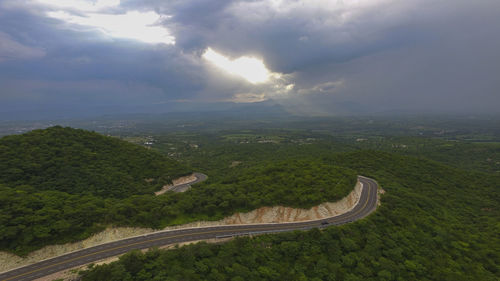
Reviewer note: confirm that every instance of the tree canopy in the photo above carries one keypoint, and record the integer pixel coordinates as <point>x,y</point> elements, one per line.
<point>75,192</point>
<point>78,161</point>
<point>435,223</point>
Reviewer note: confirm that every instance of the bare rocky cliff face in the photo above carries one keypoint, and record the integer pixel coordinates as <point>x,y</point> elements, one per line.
<point>275,214</point>
<point>286,214</point>
<point>280,214</point>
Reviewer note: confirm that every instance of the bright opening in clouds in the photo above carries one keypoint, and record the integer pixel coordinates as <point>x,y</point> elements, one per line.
<point>252,69</point>
<point>132,25</point>
<point>140,26</point>
<point>81,5</point>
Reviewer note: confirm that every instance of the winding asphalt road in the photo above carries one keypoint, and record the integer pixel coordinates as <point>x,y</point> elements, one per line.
<point>367,204</point>
<point>184,187</point>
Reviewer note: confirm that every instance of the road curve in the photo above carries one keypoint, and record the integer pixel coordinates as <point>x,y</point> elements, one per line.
<point>199,177</point>
<point>183,187</point>
<point>367,204</point>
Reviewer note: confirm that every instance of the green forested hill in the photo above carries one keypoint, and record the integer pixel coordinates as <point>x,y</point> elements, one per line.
<point>31,218</point>
<point>293,183</point>
<point>77,161</point>
<point>60,185</point>
<point>435,223</point>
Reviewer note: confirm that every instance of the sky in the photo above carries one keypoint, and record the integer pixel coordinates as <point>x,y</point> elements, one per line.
<point>313,57</point>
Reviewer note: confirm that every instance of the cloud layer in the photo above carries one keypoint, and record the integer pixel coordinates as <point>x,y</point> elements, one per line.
<point>322,57</point>
<point>13,50</point>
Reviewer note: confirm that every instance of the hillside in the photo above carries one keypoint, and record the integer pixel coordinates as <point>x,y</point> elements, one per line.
<point>435,223</point>
<point>61,185</point>
<point>77,161</point>
<point>32,219</point>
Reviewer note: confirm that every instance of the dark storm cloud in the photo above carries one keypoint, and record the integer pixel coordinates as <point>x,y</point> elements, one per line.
<point>293,39</point>
<point>83,67</point>
<point>455,69</point>
<point>342,56</point>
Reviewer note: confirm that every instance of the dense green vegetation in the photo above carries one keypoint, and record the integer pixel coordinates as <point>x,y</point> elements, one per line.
<point>482,156</point>
<point>30,219</point>
<point>435,223</point>
<point>216,150</point>
<point>439,218</point>
<point>78,161</point>
<point>33,217</point>
<point>57,185</point>
<point>294,183</point>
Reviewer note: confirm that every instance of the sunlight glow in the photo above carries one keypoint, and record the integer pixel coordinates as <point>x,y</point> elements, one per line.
<point>142,26</point>
<point>81,5</point>
<point>252,69</point>
<point>102,15</point>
